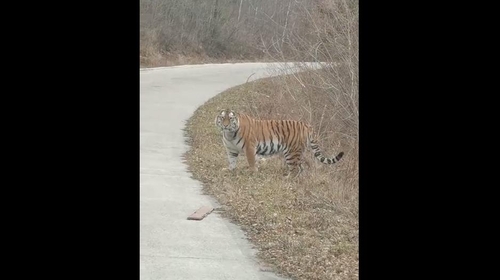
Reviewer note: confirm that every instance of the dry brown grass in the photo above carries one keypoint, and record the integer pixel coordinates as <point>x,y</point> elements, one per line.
<point>306,228</point>
<point>157,59</point>
<point>161,60</point>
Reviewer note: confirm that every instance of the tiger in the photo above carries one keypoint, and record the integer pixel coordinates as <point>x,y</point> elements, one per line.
<point>252,137</point>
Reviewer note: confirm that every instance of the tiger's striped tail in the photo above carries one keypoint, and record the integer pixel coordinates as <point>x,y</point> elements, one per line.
<point>321,158</point>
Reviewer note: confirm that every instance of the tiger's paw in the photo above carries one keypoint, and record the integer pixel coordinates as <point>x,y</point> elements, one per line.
<point>253,169</point>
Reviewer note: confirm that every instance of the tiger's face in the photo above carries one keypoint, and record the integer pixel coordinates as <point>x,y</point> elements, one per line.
<point>227,120</point>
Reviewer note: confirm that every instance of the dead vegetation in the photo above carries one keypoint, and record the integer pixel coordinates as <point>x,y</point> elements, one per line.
<point>305,228</point>
<point>199,31</point>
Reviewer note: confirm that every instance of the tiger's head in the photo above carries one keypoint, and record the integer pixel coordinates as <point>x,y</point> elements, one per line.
<point>227,120</point>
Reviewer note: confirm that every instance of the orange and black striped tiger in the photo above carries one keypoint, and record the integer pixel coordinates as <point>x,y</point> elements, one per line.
<point>243,134</point>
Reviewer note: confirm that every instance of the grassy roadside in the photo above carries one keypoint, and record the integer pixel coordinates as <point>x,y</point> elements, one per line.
<point>174,59</point>
<point>305,228</point>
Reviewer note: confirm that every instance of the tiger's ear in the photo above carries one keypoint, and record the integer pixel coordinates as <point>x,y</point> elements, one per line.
<point>217,122</point>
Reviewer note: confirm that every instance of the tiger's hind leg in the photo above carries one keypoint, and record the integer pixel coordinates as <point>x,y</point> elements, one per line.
<point>294,162</point>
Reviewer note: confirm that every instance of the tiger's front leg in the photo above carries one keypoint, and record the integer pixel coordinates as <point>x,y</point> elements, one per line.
<point>232,157</point>
<point>250,154</point>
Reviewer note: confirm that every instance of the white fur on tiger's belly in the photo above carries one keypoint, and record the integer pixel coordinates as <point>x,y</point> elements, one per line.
<point>264,159</point>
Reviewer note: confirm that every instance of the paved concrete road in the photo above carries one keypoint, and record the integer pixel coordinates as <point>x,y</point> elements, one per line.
<point>171,246</point>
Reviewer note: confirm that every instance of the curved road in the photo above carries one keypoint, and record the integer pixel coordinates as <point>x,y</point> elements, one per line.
<point>172,247</point>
